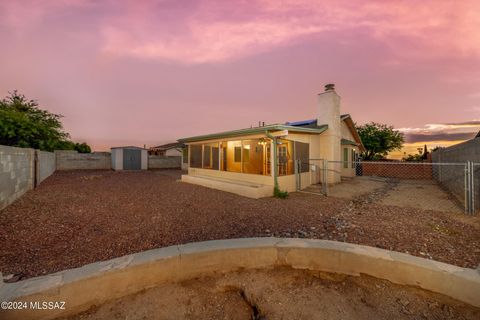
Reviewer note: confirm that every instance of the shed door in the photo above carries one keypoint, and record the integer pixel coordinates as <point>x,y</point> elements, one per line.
<point>132,159</point>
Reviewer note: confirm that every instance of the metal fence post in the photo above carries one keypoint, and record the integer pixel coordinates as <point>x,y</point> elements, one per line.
<point>473,186</point>
<point>466,184</point>
<point>325,177</point>
<point>471,189</point>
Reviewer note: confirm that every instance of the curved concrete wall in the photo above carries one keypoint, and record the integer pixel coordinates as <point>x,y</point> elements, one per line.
<point>99,282</point>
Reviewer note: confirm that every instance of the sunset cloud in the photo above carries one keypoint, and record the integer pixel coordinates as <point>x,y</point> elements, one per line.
<point>213,33</point>
<point>442,132</point>
<point>157,70</point>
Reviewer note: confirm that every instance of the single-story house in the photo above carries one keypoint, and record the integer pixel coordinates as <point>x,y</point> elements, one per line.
<point>173,149</point>
<point>250,161</point>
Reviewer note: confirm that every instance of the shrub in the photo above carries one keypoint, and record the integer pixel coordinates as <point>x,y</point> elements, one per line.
<point>277,193</point>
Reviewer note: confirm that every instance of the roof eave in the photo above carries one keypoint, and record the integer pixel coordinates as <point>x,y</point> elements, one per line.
<point>252,131</point>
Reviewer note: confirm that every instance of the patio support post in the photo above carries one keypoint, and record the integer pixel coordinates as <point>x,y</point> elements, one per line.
<point>274,155</point>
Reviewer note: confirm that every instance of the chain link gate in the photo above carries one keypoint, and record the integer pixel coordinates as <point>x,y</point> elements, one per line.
<point>313,179</point>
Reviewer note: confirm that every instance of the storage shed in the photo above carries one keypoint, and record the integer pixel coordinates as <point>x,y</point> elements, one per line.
<point>129,158</point>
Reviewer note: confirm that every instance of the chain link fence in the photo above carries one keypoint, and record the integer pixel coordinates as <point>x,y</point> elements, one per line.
<point>476,188</point>
<point>447,187</point>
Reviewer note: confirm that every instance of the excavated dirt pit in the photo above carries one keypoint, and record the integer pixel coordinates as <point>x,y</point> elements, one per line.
<point>282,294</point>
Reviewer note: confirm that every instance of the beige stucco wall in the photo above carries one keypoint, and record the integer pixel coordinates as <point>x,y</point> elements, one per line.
<point>350,170</point>
<point>236,176</point>
<point>245,189</point>
<point>289,182</point>
<point>345,132</point>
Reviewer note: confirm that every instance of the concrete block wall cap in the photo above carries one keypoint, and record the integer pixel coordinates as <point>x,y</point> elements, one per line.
<point>373,252</point>
<point>229,244</point>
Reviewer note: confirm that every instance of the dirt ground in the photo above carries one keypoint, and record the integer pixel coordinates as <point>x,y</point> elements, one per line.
<point>421,194</point>
<point>282,294</point>
<point>78,217</point>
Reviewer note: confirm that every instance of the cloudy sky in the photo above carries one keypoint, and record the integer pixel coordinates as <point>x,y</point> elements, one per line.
<point>148,72</point>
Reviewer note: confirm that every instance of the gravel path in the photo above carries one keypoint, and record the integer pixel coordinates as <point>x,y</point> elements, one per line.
<point>78,217</point>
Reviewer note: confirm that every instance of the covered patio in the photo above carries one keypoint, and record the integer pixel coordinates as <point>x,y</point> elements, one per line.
<point>247,162</point>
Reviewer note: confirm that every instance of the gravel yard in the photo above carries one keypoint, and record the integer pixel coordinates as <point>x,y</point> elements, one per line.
<point>78,217</point>
<point>421,194</point>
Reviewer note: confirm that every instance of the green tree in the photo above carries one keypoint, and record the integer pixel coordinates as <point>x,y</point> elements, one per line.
<point>24,124</point>
<point>82,147</point>
<point>413,158</point>
<point>378,140</point>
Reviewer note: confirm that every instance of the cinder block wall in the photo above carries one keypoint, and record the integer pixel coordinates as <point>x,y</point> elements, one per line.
<point>162,162</point>
<point>452,177</point>
<point>462,152</point>
<point>16,173</point>
<point>46,165</point>
<point>72,160</point>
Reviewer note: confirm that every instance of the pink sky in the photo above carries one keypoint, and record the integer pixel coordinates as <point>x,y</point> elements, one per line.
<point>149,72</point>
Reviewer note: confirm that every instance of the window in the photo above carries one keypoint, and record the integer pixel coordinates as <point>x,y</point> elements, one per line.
<point>247,156</point>
<point>253,156</point>
<point>354,156</point>
<point>223,155</point>
<point>232,154</point>
<point>196,156</point>
<point>246,153</point>
<point>282,160</point>
<point>238,154</point>
<point>285,157</point>
<point>302,153</point>
<point>345,157</point>
<point>210,156</point>
<point>207,157</point>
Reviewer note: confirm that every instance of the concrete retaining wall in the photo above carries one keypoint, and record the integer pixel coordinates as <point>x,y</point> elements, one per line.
<point>163,162</point>
<point>16,173</point>
<point>97,283</point>
<point>72,160</point>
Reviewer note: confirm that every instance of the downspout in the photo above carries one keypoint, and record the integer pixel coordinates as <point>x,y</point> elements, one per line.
<point>274,152</point>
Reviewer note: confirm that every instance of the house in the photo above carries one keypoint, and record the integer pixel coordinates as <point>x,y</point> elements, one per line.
<point>251,161</point>
<point>173,149</point>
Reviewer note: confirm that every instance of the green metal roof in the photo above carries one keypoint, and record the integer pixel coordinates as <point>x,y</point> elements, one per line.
<point>255,130</point>
<point>349,142</point>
